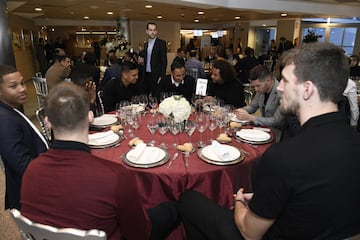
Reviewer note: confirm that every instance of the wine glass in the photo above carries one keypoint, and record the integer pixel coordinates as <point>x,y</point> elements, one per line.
<point>162,127</point>
<point>212,126</point>
<point>153,103</point>
<point>202,122</point>
<point>143,101</point>
<point>152,125</point>
<point>121,110</point>
<point>190,128</point>
<point>174,129</point>
<point>164,95</point>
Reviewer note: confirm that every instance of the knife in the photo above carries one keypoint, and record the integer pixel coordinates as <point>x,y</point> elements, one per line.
<point>171,162</point>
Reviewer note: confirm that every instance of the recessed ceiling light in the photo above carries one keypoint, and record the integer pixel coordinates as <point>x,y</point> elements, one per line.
<point>237,17</point>
<point>201,13</point>
<point>196,20</point>
<point>148,6</point>
<point>38,9</point>
<point>264,25</point>
<point>53,29</point>
<point>283,14</point>
<point>110,13</point>
<point>94,7</point>
<point>159,17</point>
<point>86,17</point>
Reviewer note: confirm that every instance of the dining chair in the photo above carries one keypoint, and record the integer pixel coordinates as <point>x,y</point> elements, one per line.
<point>248,93</point>
<point>193,72</point>
<point>40,115</point>
<point>101,109</point>
<point>36,231</point>
<point>41,89</point>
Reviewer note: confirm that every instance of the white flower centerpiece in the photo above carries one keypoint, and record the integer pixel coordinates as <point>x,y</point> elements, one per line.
<point>176,108</point>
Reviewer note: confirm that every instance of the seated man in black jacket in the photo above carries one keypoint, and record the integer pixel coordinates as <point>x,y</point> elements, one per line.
<point>177,82</point>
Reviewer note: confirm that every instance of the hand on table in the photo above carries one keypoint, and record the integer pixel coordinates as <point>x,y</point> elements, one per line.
<point>242,114</point>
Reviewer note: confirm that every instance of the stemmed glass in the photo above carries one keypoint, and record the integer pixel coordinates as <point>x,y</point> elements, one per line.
<point>121,110</point>
<point>153,103</point>
<point>162,127</point>
<point>212,126</point>
<point>174,129</point>
<point>220,121</point>
<point>143,101</point>
<point>202,122</point>
<point>190,128</point>
<point>152,125</point>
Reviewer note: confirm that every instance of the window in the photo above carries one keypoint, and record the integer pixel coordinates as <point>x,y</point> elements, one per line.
<point>344,38</point>
<point>317,31</point>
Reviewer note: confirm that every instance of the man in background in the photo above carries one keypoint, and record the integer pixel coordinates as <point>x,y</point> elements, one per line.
<point>60,70</point>
<point>155,59</point>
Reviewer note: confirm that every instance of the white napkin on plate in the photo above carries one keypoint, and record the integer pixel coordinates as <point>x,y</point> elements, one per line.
<point>220,150</point>
<point>103,138</point>
<point>253,135</point>
<point>134,154</point>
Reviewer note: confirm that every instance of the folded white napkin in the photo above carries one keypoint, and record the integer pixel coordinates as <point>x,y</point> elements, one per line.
<point>103,138</point>
<point>220,150</point>
<point>136,153</point>
<point>253,135</point>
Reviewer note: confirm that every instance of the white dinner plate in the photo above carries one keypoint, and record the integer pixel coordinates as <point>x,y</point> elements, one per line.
<point>149,156</point>
<point>253,135</point>
<point>104,120</point>
<point>103,139</point>
<point>208,152</point>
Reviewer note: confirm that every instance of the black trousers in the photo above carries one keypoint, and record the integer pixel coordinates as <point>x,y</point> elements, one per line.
<point>164,218</point>
<point>150,83</point>
<point>204,219</point>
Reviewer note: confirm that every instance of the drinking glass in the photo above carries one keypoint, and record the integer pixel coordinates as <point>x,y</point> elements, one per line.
<point>202,123</point>
<point>174,129</point>
<point>153,103</point>
<point>152,125</point>
<point>212,126</point>
<point>121,110</point>
<point>143,101</point>
<point>162,127</point>
<point>190,128</point>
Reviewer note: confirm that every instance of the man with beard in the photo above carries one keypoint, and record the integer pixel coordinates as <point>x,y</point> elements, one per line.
<point>298,182</point>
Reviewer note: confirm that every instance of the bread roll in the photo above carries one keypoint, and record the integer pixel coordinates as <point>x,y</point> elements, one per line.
<point>135,141</point>
<point>223,137</point>
<point>235,125</point>
<point>116,128</point>
<point>186,147</point>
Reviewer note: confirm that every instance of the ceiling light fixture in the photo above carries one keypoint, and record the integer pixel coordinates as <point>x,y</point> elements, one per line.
<point>201,13</point>
<point>237,17</point>
<point>110,13</point>
<point>86,17</point>
<point>37,9</point>
<point>148,6</point>
<point>283,14</point>
<point>196,20</point>
<point>159,17</point>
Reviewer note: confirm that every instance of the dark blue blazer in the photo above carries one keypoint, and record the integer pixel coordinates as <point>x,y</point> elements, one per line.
<point>19,144</point>
<point>158,59</point>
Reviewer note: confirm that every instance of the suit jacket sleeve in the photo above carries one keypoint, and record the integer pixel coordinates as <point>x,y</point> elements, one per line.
<point>163,56</point>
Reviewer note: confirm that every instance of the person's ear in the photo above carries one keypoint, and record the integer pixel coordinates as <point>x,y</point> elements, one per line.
<point>47,122</point>
<point>308,89</point>
<point>91,116</point>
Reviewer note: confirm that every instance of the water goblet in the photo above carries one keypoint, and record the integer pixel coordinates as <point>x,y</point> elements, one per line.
<point>152,125</point>
<point>202,122</point>
<point>162,129</point>
<point>153,103</point>
<point>190,128</point>
<point>174,129</point>
<point>212,126</point>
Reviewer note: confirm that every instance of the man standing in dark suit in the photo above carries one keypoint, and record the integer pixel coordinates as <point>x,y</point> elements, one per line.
<point>177,82</point>
<point>156,59</point>
<point>20,140</point>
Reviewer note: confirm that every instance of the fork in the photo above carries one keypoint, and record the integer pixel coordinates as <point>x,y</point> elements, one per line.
<point>173,159</point>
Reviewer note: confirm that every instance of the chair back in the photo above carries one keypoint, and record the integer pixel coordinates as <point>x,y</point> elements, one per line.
<point>40,114</point>
<point>41,89</point>
<point>193,72</point>
<point>2,184</point>
<point>37,231</point>
<point>101,109</point>
<point>248,93</point>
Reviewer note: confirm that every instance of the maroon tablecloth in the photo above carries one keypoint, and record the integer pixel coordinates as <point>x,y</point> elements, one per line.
<point>159,184</point>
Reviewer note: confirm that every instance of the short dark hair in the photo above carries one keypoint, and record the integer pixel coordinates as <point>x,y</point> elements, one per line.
<point>67,107</point>
<point>126,66</point>
<point>90,58</point>
<point>176,65</point>
<point>179,50</point>
<point>5,70</point>
<point>80,74</point>
<point>193,53</point>
<point>259,72</point>
<point>324,64</point>
<point>227,72</point>
<point>150,23</point>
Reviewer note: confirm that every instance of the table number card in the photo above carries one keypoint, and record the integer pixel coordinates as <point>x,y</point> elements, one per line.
<point>201,86</point>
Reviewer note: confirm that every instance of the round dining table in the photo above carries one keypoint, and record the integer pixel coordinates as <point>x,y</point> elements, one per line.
<point>165,183</point>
